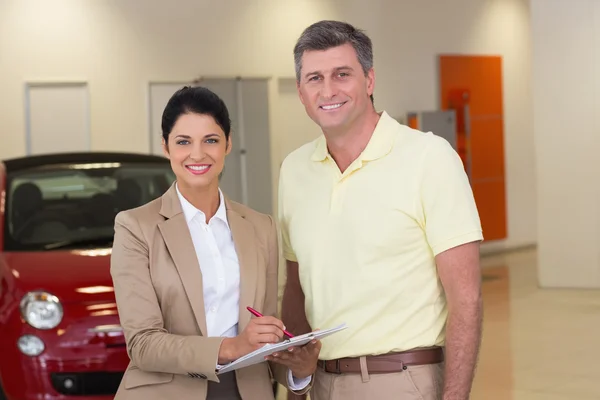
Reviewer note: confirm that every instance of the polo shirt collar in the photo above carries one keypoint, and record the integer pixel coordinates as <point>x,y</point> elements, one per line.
<point>191,212</point>
<point>320,153</point>
<point>379,145</point>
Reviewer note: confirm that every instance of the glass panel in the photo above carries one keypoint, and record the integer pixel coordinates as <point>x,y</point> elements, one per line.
<point>74,205</point>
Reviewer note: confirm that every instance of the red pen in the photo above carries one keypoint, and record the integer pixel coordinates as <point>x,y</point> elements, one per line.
<point>257,314</point>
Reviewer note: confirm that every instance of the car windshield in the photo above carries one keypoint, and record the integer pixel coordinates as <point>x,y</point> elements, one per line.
<point>74,205</point>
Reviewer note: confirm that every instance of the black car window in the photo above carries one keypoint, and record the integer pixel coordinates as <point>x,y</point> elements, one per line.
<point>74,205</point>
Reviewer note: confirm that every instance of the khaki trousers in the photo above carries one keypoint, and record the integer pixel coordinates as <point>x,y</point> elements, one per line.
<point>418,382</point>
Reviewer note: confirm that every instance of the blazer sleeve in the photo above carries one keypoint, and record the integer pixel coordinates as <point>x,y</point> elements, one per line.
<point>280,372</point>
<point>150,347</point>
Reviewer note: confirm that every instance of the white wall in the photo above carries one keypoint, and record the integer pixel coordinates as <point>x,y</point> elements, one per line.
<point>566,65</point>
<point>119,45</point>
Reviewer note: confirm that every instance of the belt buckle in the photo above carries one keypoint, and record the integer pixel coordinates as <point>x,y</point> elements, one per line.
<point>325,364</point>
<point>337,371</point>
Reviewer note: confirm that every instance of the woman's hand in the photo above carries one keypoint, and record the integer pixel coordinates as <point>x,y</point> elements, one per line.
<point>258,332</point>
<point>302,361</point>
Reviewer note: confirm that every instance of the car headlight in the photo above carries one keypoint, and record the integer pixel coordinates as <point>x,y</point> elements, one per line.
<point>41,310</point>
<point>31,345</point>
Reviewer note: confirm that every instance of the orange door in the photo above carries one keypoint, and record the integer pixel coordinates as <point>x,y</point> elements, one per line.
<point>472,85</point>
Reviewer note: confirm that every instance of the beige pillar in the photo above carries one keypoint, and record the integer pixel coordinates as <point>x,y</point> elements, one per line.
<point>566,106</point>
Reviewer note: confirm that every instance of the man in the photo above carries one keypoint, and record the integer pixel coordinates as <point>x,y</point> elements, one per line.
<point>380,231</point>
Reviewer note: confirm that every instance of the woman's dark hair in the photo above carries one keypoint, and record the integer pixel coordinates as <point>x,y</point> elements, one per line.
<point>197,100</point>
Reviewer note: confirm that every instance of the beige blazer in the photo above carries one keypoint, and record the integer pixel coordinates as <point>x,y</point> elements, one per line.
<point>158,288</point>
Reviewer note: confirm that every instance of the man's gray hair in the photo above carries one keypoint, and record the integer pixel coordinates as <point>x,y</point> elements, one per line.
<point>324,35</point>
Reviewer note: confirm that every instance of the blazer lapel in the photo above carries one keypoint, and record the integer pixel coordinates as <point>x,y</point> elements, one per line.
<point>245,245</point>
<point>176,234</point>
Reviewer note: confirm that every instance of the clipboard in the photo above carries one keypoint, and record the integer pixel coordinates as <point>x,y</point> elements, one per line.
<point>258,356</point>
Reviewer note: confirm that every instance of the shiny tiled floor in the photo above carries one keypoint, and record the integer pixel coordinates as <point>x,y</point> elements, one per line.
<point>538,344</point>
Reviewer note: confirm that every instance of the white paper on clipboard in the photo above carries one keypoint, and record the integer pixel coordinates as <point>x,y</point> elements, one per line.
<point>259,355</point>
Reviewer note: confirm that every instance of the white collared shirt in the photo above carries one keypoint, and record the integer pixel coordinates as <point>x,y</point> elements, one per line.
<point>220,269</point>
<point>219,265</point>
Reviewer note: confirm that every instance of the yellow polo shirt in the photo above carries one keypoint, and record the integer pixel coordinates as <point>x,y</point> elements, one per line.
<point>366,240</point>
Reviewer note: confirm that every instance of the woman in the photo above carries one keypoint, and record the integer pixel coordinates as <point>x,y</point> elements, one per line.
<point>185,267</point>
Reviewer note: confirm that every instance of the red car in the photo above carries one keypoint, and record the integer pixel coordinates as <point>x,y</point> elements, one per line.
<point>59,328</point>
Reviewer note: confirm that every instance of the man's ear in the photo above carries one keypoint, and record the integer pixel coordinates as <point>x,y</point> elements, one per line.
<point>371,81</point>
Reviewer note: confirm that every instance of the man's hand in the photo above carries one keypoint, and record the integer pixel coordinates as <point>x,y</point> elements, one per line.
<point>302,361</point>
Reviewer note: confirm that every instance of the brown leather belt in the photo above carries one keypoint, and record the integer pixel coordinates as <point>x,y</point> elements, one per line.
<point>384,363</point>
